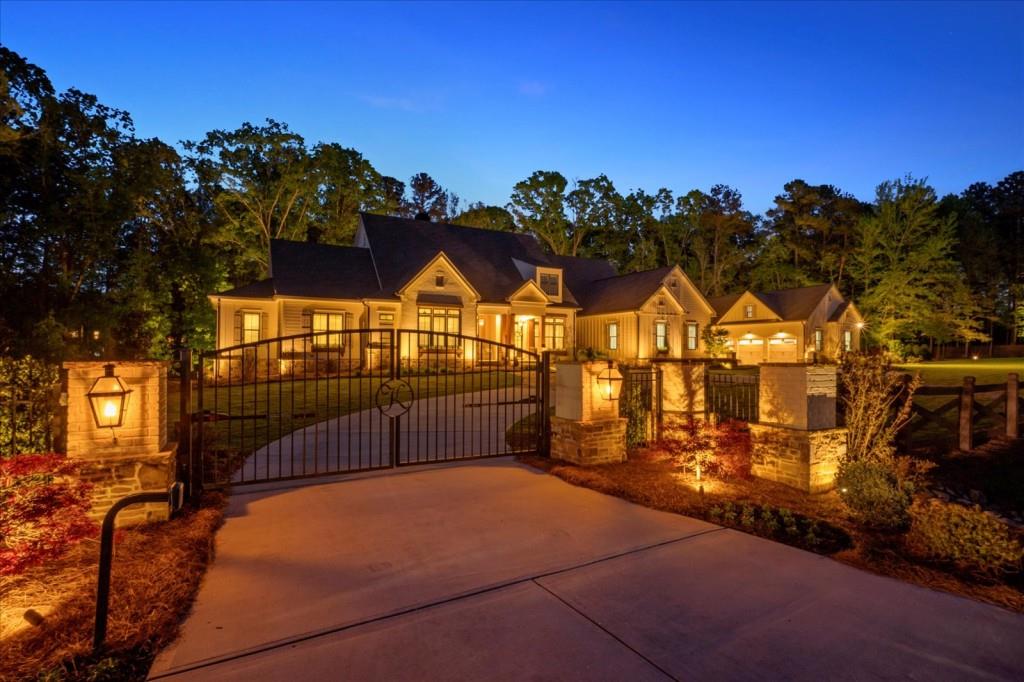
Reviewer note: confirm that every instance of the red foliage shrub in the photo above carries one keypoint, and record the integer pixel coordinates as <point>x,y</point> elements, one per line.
<point>721,450</point>
<point>43,510</point>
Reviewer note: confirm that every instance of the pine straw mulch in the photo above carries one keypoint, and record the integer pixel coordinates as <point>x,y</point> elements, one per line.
<point>649,479</point>
<point>155,576</point>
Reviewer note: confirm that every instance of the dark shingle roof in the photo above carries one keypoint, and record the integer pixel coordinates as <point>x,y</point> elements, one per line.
<point>723,303</point>
<point>791,305</point>
<point>402,247</point>
<point>261,289</point>
<point>621,293</point>
<point>313,271</point>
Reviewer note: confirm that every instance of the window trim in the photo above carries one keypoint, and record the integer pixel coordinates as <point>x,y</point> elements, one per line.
<point>612,340</point>
<point>259,325</point>
<point>331,340</point>
<point>847,340</point>
<point>819,340</point>
<point>661,339</point>
<point>551,323</point>
<point>748,311</point>
<point>695,337</point>
<point>447,315</point>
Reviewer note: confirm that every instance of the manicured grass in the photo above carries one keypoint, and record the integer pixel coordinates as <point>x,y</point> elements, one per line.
<point>272,409</point>
<point>952,372</point>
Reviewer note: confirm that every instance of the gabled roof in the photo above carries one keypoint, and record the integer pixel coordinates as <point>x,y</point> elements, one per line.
<point>401,247</point>
<point>307,270</point>
<point>791,305</point>
<point>622,292</point>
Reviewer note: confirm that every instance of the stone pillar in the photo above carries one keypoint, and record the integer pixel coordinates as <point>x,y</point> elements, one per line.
<point>133,458</point>
<point>796,441</point>
<point>586,428</point>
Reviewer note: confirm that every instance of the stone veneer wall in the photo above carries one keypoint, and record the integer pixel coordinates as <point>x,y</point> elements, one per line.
<point>140,458</point>
<point>587,443</point>
<point>806,460</point>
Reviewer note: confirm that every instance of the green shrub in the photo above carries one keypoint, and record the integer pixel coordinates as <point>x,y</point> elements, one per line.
<point>969,538</point>
<point>874,494</point>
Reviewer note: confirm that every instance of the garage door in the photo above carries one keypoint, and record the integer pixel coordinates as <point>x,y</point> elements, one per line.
<point>783,350</point>
<point>750,351</point>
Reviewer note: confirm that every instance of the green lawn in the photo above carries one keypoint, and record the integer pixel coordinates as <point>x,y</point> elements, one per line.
<point>952,372</point>
<point>276,408</point>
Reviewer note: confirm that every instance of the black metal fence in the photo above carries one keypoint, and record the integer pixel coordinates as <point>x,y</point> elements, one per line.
<point>342,401</point>
<point>640,402</point>
<point>732,395</point>
<point>32,416</point>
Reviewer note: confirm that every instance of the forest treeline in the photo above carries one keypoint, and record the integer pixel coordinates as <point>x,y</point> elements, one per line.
<point>110,243</point>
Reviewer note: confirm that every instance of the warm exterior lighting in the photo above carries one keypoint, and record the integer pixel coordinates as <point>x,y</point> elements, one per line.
<point>108,399</point>
<point>610,383</point>
<point>974,357</point>
<point>859,325</point>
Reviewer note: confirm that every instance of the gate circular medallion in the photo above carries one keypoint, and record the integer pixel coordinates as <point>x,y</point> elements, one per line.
<point>394,397</point>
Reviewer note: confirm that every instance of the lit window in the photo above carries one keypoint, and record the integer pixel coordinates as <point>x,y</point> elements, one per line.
<point>251,327</point>
<point>328,322</point>
<point>748,311</point>
<point>691,336</point>
<point>819,340</point>
<point>442,321</point>
<point>550,283</point>
<point>386,319</point>
<point>847,340</point>
<point>661,336</point>
<point>554,333</point>
<point>613,336</point>
<point>96,335</point>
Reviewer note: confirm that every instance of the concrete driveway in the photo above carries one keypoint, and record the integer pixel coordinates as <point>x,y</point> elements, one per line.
<point>493,570</point>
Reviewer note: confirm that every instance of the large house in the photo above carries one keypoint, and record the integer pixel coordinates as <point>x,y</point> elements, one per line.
<point>499,286</point>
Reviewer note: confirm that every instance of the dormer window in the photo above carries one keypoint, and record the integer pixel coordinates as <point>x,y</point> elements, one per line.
<point>551,283</point>
<point>748,311</point>
<point>439,279</point>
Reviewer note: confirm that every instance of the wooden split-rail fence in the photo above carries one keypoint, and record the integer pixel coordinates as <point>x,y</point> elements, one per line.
<point>996,408</point>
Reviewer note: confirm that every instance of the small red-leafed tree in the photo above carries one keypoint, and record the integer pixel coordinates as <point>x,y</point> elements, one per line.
<point>43,510</point>
<point>711,449</point>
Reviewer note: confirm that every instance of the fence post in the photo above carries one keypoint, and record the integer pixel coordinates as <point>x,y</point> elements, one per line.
<point>967,415</point>
<point>1012,405</point>
<point>185,417</point>
<point>545,403</point>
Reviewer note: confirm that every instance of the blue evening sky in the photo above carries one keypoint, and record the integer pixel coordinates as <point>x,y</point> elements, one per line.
<point>480,95</point>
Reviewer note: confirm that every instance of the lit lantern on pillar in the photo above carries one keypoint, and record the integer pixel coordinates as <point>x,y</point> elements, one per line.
<point>108,399</point>
<point>609,382</point>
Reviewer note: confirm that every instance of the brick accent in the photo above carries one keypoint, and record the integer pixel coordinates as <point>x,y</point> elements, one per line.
<point>806,460</point>
<point>140,459</point>
<point>588,443</point>
<point>798,395</point>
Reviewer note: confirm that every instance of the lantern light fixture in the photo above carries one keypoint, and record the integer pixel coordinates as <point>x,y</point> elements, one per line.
<point>609,382</point>
<point>108,399</point>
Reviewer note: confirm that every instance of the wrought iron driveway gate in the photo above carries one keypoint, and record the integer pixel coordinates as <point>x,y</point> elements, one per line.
<point>334,402</point>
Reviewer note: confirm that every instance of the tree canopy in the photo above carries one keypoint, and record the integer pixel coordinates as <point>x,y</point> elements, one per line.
<point>110,243</point>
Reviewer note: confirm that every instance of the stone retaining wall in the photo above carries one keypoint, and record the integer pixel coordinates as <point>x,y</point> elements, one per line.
<point>806,460</point>
<point>587,443</point>
<point>117,477</point>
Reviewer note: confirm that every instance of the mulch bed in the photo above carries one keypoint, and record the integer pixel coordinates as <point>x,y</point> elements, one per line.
<point>156,573</point>
<point>651,480</point>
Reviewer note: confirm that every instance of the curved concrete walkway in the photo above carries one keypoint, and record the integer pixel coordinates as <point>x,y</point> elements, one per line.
<point>442,428</point>
<point>492,570</point>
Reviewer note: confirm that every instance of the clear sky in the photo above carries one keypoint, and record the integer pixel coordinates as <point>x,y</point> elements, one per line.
<point>480,95</point>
